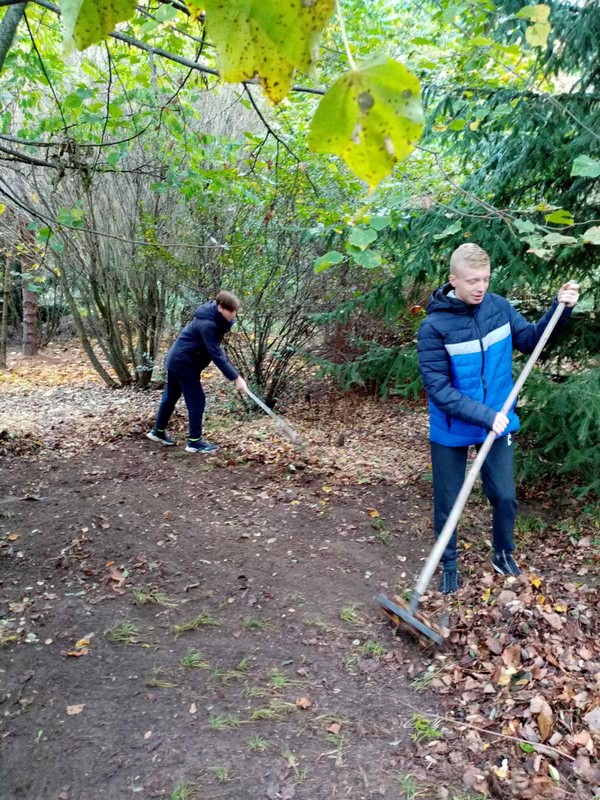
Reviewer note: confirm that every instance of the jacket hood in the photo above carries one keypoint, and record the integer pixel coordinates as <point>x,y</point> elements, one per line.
<point>210,312</point>
<point>440,300</point>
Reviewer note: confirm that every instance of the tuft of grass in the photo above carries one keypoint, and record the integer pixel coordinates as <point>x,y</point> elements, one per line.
<point>425,730</point>
<point>224,722</point>
<point>293,762</point>
<point>183,791</point>
<point>278,680</point>
<point>255,691</point>
<point>143,596</point>
<point>255,624</point>
<point>197,622</point>
<point>222,773</point>
<point>373,650</point>
<point>410,788</point>
<point>382,534</point>
<point>352,616</point>
<point>340,741</point>
<point>125,632</point>
<point>275,711</point>
<point>317,622</point>
<point>194,659</point>
<point>156,682</point>
<point>425,679</point>
<point>257,744</point>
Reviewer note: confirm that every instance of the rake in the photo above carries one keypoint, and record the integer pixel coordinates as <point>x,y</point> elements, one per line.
<point>405,614</point>
<point>282,425</point>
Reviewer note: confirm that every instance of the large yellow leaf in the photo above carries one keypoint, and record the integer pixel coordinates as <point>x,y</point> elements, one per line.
<point>87,22</point>
<point>268,38</point>
<point>372,117</point>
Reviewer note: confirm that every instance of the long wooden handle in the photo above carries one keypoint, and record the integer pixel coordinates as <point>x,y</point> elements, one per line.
<point>460,502</point>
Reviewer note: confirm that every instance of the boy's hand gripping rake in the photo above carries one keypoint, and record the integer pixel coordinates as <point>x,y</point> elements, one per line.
<point>283,426</point>
<point>405,614</point>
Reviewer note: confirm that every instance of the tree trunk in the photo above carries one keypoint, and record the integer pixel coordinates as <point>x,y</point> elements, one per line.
<point>5,304</point>
<point>30,319</point>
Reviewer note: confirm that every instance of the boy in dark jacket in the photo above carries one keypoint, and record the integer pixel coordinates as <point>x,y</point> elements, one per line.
<point>465,348</point>
<point>197,345</point>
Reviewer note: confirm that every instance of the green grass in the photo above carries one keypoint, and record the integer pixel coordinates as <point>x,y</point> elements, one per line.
<point>351,615</point>
<point>382,534</point>
<point>255,691</point>
<point>125,632</point>
<point>144,596</point>
<point>425,679</point>
<point>257,744</point>
<point>278,680</point>
<point>222,773</point>
<point>156,682</point>
<point>184,791</point>
<point>254,624</point>
<point>224,722</point>
<point>373,650</point>
<point>194,659</point>
<point>410,788</point>
<point>425,729</point>
<point>275,711</point>
<point>340,742</point>
<point>199,621</point>
<point>317,622</point>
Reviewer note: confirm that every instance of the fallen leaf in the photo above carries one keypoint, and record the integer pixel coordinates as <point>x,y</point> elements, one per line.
<point>148,734</point>
<point>77,653</point>
<point>334,728</point>
<point>77,709</point>
<point>193,708</point>
<point>326,489</point>
<point>372,512</point>
<point>303,702</point>
<point>12,537</point>
<point>544,716</point>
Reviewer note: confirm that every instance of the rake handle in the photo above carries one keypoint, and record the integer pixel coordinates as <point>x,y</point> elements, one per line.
<point>460,502</point>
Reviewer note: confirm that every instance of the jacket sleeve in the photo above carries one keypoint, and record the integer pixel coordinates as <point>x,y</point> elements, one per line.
<point>217,355</point>
<point>526,335</point>
<point>435,372</point>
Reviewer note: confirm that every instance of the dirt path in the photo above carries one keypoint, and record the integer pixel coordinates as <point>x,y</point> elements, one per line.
<point>289,575</point>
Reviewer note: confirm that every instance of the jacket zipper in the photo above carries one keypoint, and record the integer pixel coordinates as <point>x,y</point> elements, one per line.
<point>482,358</point>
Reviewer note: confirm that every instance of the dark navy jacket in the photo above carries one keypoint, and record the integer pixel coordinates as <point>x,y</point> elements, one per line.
<point>199,343</point>
<point>465,359</point>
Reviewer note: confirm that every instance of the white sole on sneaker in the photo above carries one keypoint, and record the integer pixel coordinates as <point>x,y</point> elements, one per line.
<point>154,438</point>
<point>202,452</point>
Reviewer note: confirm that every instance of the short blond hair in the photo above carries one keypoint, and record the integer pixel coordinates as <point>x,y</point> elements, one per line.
<point>469,255</point>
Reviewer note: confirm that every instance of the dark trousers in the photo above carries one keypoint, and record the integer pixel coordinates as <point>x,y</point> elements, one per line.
<point>497,476</point>
<point>189,385</point>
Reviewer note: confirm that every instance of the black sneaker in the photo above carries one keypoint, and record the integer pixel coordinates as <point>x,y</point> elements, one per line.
<point>449,582</point>
<point>201,447</point>
<point>504,564</point>
<point>161,437</point>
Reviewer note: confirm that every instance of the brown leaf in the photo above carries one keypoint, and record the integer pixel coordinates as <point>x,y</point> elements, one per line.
<point>303,702</point>
<point>372,512</point>
<point>494,645</point>
<point>117,576</point>
<point>77,709</point>
<point>334,728</point>
<point>77,653</point>
<point>545,718</point>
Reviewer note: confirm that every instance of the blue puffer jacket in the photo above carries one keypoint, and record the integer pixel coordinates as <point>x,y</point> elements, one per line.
<point>465,359</point>
<point>199,343</point>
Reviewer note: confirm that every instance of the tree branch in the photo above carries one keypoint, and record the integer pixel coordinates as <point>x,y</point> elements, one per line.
<point>8,28</point>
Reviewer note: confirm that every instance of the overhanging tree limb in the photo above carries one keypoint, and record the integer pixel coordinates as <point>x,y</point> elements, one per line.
<point>8,28</point>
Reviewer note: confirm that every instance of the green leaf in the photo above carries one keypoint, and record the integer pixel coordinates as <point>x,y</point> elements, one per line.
<point>362,237</point>
<point>537,13</point>
<point>370,259</point>
<point>268,38</point>
<point>458,125</point>
<point>454,228</point>
<point>558,238</point>
<point>87,22</point>
<point>524,225</point>
<point>560,217</point>
<point>72,101</point>
<point>371,117</point>
<point>379,223</point>
<point>324,262</point>
<point>526,747</point>
<point>537,35</point>
<point>586,167</point>
<point>592,235</point>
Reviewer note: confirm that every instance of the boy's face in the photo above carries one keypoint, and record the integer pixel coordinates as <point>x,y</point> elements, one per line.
<point>470,283</point>
<point>229,315</point>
